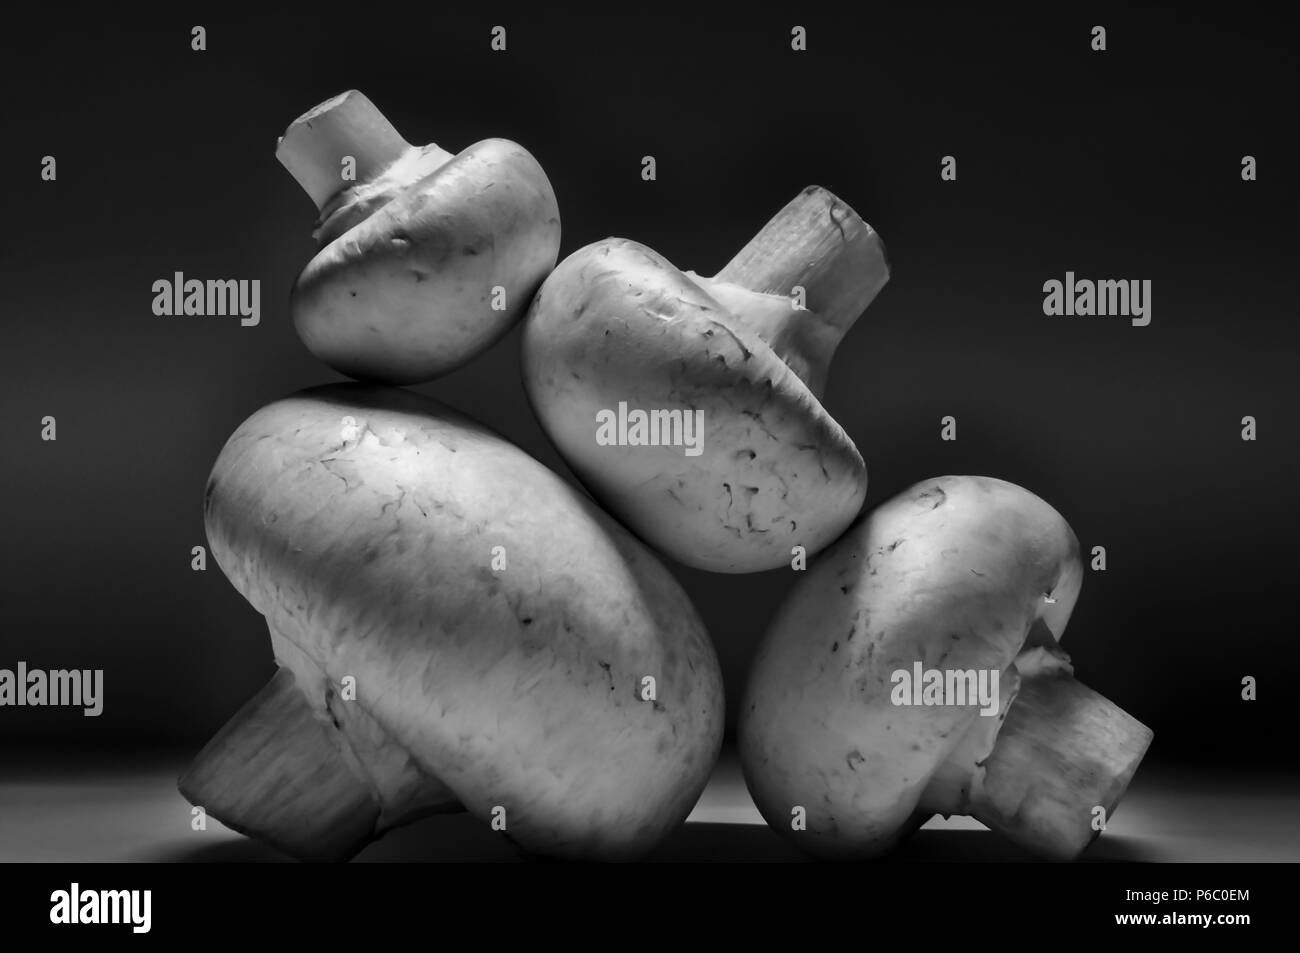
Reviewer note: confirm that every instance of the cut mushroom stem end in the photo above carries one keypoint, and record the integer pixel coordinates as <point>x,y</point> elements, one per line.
<point>316,146</point>
<point>1063,752</point>
<point>275,772</point>
<point>817,243</point>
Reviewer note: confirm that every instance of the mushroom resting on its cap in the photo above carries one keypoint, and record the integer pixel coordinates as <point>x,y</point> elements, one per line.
<point>457,628</point>
<point>426,258</point>
<point>956,575</point>
<point>690,406</point>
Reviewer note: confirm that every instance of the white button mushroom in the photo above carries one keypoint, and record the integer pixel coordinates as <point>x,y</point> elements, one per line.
<point>457,627</point>
<point>956,576</point>
<point>690,406</point>
<point>426,258</point>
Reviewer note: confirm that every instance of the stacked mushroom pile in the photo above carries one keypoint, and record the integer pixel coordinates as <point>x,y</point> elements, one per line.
<point>457,628</point>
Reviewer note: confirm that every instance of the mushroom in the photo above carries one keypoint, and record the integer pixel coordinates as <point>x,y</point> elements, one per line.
<point>456,628</point>
<point>956,575</point>
<point>690,406</point>
<point>426,258</point>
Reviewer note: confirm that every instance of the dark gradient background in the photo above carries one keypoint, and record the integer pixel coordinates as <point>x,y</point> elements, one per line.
<point>1123,164</point>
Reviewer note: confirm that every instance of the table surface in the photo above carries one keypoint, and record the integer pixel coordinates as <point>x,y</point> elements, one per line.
<point>123,808</point>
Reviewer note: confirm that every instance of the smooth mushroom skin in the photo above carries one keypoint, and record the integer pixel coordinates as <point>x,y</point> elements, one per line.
<point>616,322</point>
<point>362,522</point>
<point>956,573</point>
<point>426,257</point>
<point>405,294</point>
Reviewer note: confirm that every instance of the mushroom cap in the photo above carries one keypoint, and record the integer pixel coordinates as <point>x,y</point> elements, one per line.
<point>406,294</point>
<point>617,323</point>
<point>361,522</point>
<point>951,573</point>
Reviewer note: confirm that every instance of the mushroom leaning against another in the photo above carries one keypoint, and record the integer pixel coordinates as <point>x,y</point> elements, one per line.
<point>498,629</point>
<point>426,258</point>
<point>733,461</point>
<point>958,574</point>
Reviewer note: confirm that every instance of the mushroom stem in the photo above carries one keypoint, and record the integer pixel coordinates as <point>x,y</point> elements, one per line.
<point>316,144</point>
<point>1063,751</point>
<point>817,243</point>
<point>275,772</point>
